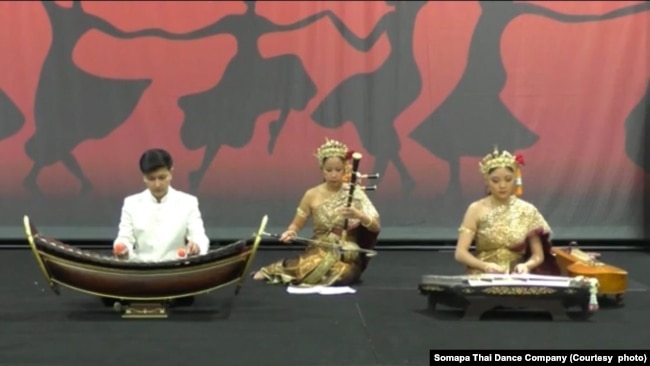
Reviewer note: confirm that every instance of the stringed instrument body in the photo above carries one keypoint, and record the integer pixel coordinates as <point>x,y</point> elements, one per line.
<point>574,262</point>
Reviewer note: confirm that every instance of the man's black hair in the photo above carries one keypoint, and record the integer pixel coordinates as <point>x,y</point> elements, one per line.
<point>154,159</point>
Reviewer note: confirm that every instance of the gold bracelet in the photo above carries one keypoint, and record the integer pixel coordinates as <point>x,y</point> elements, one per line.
<point>369,223</point>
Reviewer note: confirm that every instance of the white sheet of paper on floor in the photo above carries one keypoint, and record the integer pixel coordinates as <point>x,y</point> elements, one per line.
<point>337,290</point>
<point>299,290</point>
<point>321,290</point>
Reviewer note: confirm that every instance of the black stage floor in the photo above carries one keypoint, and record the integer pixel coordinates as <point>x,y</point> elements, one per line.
<point>384,323</point>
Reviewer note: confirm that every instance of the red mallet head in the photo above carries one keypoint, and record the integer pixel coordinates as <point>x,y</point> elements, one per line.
<point>120,248</point>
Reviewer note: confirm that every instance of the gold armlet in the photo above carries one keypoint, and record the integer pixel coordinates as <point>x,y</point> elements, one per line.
<point>300,212</point>
<point>463,229</point>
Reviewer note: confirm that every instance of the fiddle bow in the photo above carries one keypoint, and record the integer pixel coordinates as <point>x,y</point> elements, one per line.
<point>318,243</point>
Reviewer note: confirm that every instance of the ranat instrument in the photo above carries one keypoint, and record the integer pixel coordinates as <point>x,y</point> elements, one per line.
<point>141,289</point>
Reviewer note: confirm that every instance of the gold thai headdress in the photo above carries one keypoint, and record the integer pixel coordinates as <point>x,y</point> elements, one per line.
<point>330,149</point>
<point>503,159</point>
<point>336,149</point>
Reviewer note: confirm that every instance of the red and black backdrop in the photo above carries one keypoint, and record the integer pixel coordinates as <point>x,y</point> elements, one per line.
<point>242,93</point>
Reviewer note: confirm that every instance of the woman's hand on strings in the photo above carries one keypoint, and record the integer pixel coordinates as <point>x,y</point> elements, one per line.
<point>493,268</point>
<point>521,268</point>
<point>353,215</point>
<point>288,236</point>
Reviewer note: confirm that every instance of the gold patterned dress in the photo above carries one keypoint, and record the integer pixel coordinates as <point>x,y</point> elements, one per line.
<point>503,235</point>
<point>324,266</point>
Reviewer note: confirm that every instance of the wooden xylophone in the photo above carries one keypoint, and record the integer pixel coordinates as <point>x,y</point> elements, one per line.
<point>140,288</point>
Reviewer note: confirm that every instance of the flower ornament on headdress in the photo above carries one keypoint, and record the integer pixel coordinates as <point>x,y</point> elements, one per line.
<point>347,178</point>
<point>331,149</point>
<point>503,159</point>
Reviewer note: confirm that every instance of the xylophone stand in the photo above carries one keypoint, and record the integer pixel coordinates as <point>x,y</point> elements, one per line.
<point>142,310</point>
<point>479,306</point>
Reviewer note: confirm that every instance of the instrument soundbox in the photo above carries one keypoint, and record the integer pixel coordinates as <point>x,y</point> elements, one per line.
<point>574,262</point>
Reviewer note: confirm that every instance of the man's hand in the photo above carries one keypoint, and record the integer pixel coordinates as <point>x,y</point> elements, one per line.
<point>192,249</point>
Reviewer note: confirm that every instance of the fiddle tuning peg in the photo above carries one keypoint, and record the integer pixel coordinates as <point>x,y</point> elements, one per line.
<point>573,247</point>
<point>367,176</point>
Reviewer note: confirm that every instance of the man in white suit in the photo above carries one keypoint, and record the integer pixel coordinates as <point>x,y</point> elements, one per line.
<point>160,220</point>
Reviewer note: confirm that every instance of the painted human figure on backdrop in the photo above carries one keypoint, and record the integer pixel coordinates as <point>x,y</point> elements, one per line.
<point>11,118</point>
<point>370,100</point>
<point>71,100</point>
<point>251,85</point>
<point>510,234</point>
<point>445,132</point>
<point>326,205</point>
<point>637,125</point>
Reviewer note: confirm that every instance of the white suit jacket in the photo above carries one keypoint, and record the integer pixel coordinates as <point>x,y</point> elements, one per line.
<point>154,231</point>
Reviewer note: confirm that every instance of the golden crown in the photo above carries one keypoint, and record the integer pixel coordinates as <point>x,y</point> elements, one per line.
<point>498,159</point>
<point>330,149</point>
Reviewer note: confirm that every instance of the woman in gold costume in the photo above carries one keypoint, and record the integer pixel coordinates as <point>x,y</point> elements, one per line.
<point>510,234</point>
<point>326,205</point>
